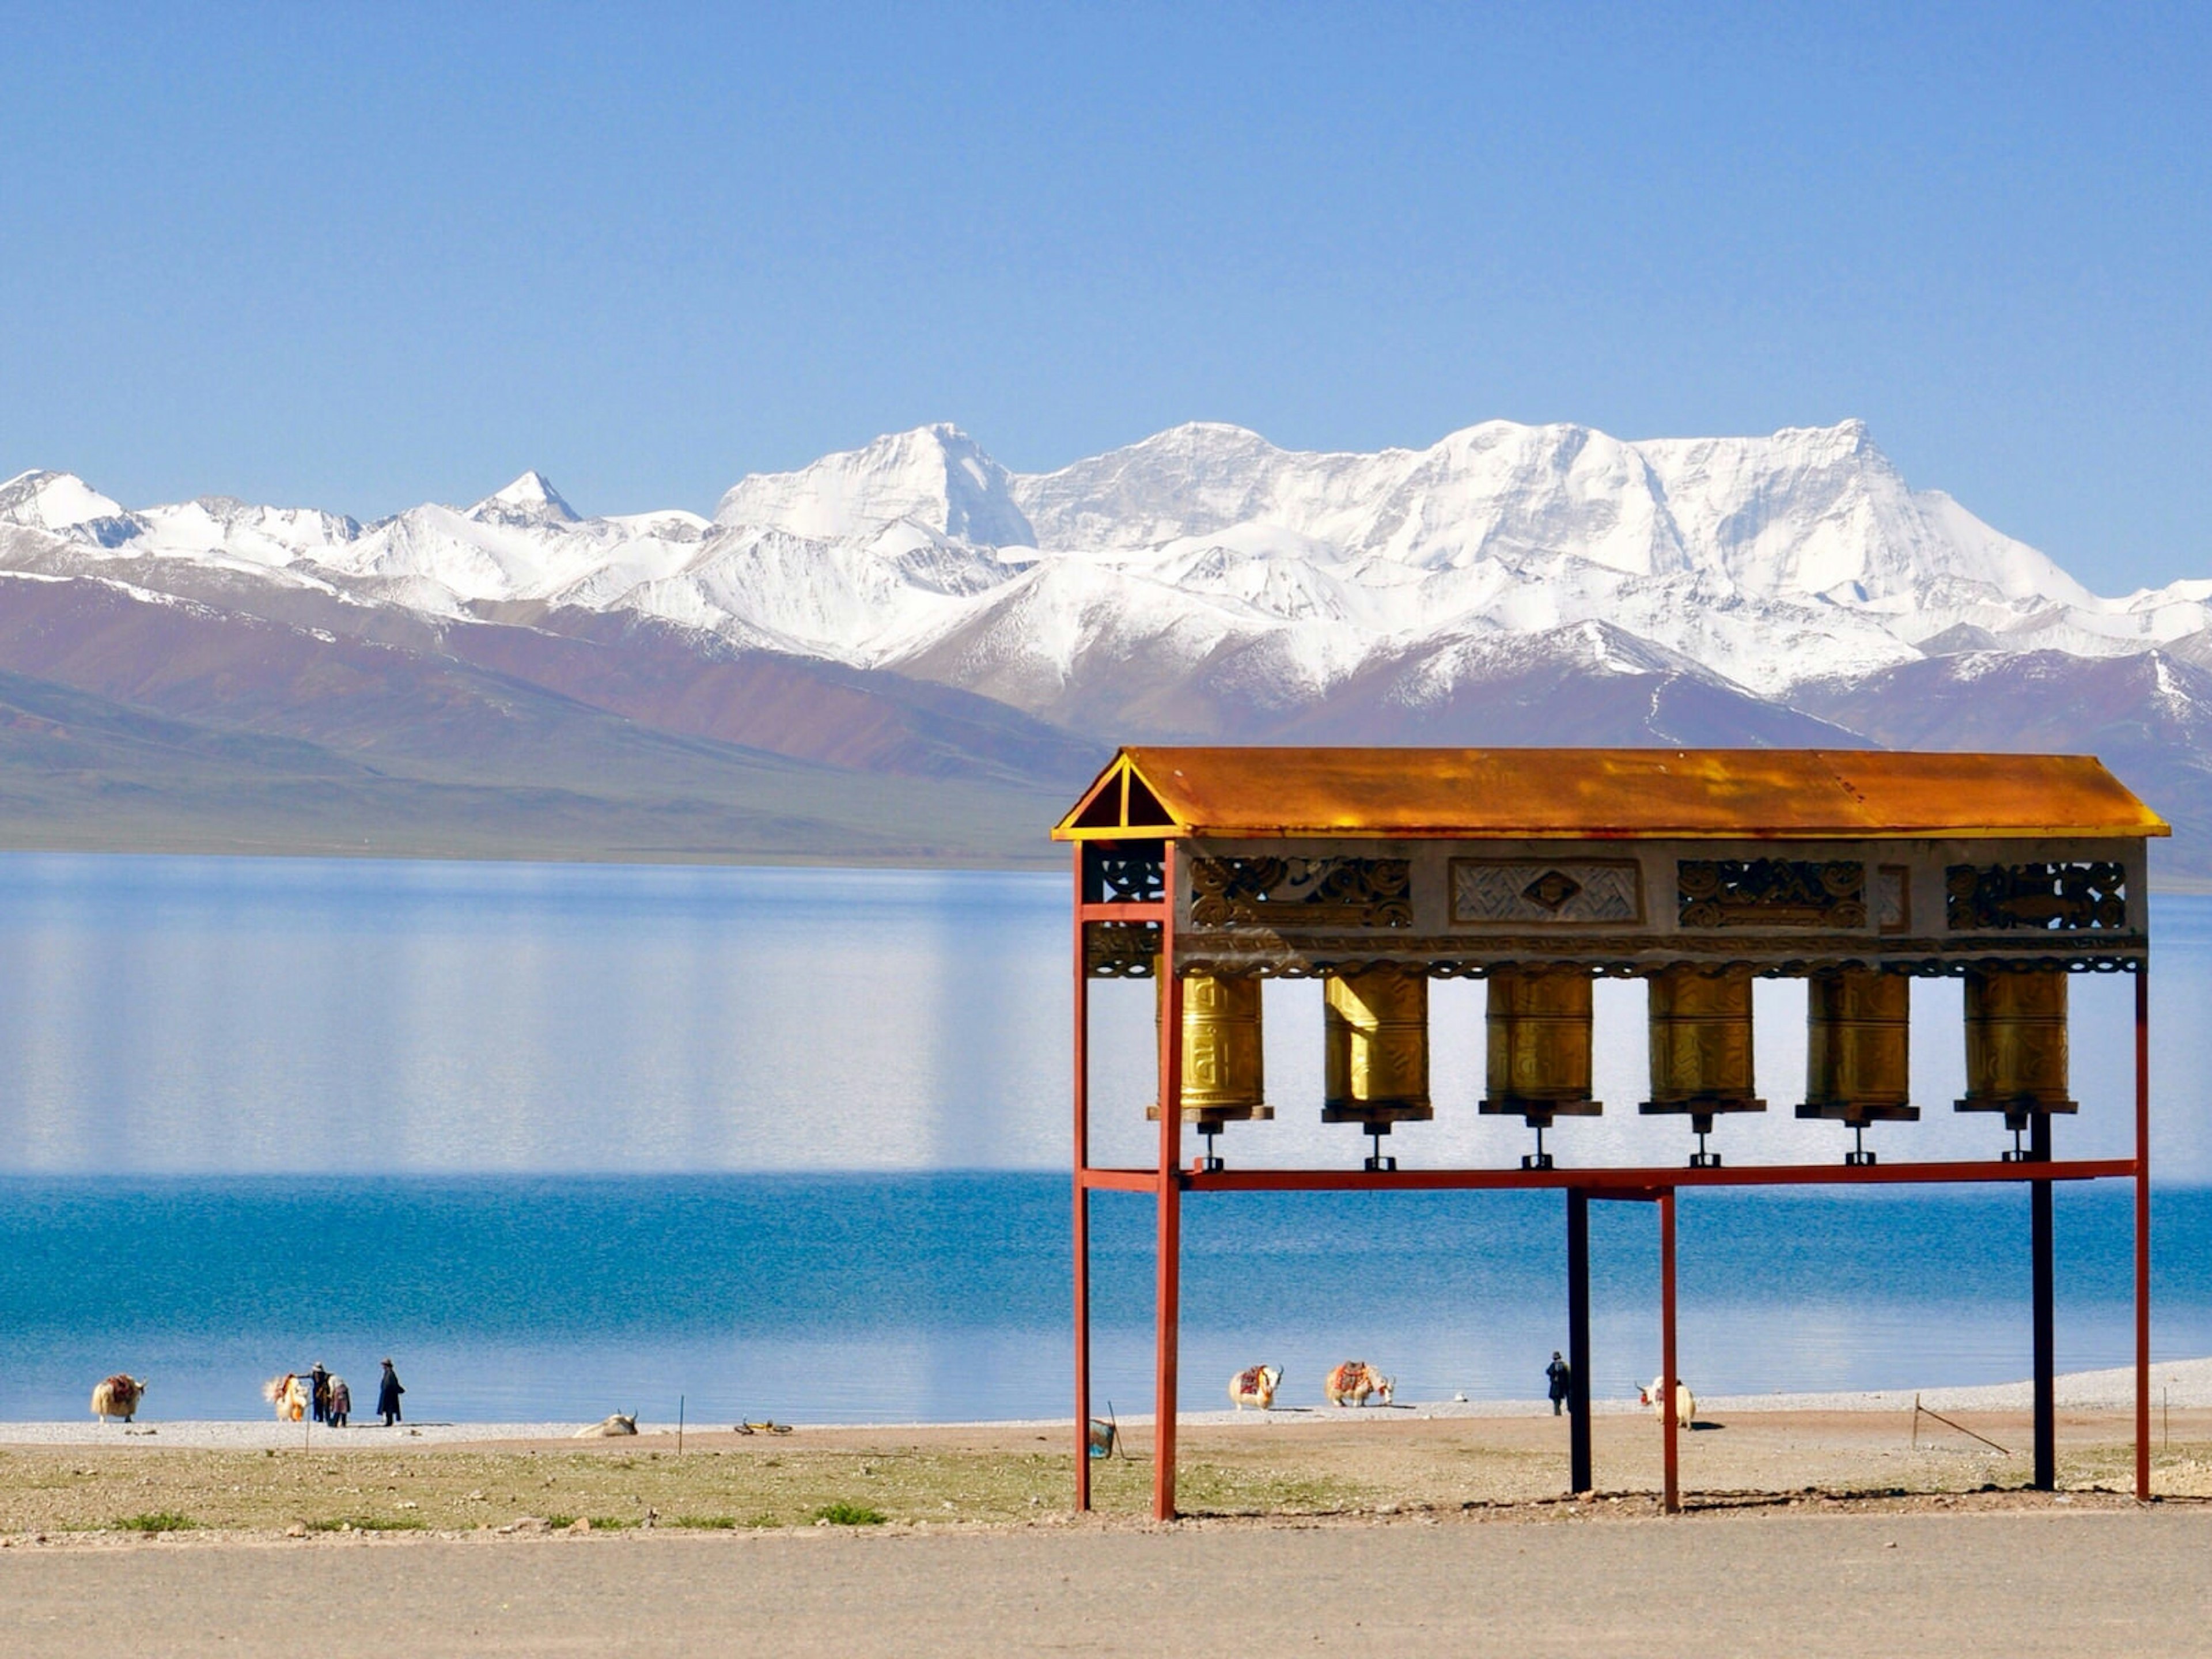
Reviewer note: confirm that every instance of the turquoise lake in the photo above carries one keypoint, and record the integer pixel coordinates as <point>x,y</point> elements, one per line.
<point>566,1139</point>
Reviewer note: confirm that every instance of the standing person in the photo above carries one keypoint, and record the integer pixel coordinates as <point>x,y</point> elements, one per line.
<point>1557,1374</point>
<point>387,1395</point>
<point>319,1394</point>
<point>341,1403</point>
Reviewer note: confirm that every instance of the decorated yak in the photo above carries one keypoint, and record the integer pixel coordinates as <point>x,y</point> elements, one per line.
<point>1352,1382</point>
<point>1255,1385</point>
<point>289,1394</point>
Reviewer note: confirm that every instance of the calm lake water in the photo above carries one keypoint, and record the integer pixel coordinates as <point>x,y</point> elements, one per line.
<point>572,1139</point>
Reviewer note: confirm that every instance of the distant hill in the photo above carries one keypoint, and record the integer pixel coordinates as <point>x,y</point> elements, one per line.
<point>906,652</point>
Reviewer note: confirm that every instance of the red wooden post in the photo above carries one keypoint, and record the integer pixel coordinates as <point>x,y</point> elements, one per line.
<point>2142,1230</point>
<point>1669,1434</point>
<point>1082,1217</point>
<point>1168,1308</point>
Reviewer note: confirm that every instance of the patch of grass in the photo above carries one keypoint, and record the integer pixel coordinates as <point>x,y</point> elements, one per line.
<point>610,1523</point>
<point>157,1520</point>
<point>706,1522</point>
<point>850,1515</point>
<point>368,1523</point>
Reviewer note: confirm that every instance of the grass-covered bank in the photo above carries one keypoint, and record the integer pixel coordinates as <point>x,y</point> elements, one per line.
<point>1365,1464</point>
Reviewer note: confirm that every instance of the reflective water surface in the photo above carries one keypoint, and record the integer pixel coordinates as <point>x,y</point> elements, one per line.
<point>357,1015</point>
<point>574,1139</point>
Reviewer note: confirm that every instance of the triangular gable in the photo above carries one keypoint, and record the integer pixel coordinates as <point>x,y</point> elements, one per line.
<point>1119,801</point>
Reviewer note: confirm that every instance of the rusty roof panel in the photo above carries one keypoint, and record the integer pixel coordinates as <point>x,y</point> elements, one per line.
<point>1803,795</point>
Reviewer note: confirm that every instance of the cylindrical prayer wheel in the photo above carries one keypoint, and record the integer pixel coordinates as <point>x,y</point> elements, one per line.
<point>1701,1054</point>
<point>1858,1037</point>
<point>1539,1028</point>
<point>1224,1076</point>
<point>1376,1027</point>
<point>2016,1060</point>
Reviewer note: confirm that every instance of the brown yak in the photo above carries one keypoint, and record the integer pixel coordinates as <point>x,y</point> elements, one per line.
<point>117,1396</point>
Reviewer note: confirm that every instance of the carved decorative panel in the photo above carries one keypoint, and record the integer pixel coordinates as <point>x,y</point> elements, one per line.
<point>1129,879</point>
<point>1770,893</point>
<point>1981,898</point>
<point>1892,898</point>
<point>1532,891</point>
<point>1344,892</point>
<point>1120,949</point>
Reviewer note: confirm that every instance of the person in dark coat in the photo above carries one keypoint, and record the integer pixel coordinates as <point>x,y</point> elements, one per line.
<point>387,1395</point>
<point>318,1394</point>
<point>1557,1375</point>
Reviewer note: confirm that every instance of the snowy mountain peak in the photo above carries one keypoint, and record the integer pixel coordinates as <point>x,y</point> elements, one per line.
<point>935,478</point>
<point>531,499</point>
<point>53,501</point>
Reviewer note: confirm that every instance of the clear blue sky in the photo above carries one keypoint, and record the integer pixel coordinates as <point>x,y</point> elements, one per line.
<point>360,258</point>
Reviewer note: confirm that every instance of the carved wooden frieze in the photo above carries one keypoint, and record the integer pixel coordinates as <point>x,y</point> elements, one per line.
<point>1129,879</point>
<point>1770,893</point>
<point>1120,949</point>
<point>1270,892</point>
<point>1981,898</point>
<point>1892,898</point>
<point>1514,890</point>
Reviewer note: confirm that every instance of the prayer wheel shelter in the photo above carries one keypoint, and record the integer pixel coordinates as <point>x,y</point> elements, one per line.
<point>1212,871</point>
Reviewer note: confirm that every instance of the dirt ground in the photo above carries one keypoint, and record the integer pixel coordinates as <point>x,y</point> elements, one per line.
<point>1292,1466</point>
<point>1812,1533</point>
<point>1715,1583</point>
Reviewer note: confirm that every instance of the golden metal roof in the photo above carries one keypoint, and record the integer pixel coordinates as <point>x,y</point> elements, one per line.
<point>1788,795</point>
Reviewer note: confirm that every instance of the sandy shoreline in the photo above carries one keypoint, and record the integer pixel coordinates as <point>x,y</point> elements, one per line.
<point>1805,1531</point>
<point>2180,1384</point>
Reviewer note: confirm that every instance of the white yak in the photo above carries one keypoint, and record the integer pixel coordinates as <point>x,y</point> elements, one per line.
<point>1685,1403</point>
<point>608,1428</point>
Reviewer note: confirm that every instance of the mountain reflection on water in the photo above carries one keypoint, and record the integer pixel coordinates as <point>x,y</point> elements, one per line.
<point>353,1016</point>
<point>576,1139</point>
<point>381,1016</point>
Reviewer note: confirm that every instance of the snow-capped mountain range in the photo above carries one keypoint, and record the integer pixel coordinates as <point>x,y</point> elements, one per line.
<point>1503,584</point>
<point>1769,561</point>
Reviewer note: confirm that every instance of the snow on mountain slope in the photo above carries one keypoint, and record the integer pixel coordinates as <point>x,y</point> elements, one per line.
<point>1204,579</point>
<point>1815,513</point>
<point>530,500</point>
<point>53,501</point>
<point>937,477</point>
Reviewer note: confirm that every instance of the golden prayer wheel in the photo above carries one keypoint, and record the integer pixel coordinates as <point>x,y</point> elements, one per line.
<point>1376,1029</point>
<point>1858,1047</point>
<point>2016,1060</point>
<point>1701,1051</point>
<point>1538,1023</point>
<point>1223,1074</point>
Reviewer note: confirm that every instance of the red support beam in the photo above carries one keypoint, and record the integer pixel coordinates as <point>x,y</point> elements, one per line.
<point>1168,1180</point>
<point>1081,1193</point>
<point>2143,1231</point>
<point>1121,1181</point>
<point>1119,909</point>
<point>1669,1431</point>
<point>1643,1183</point>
